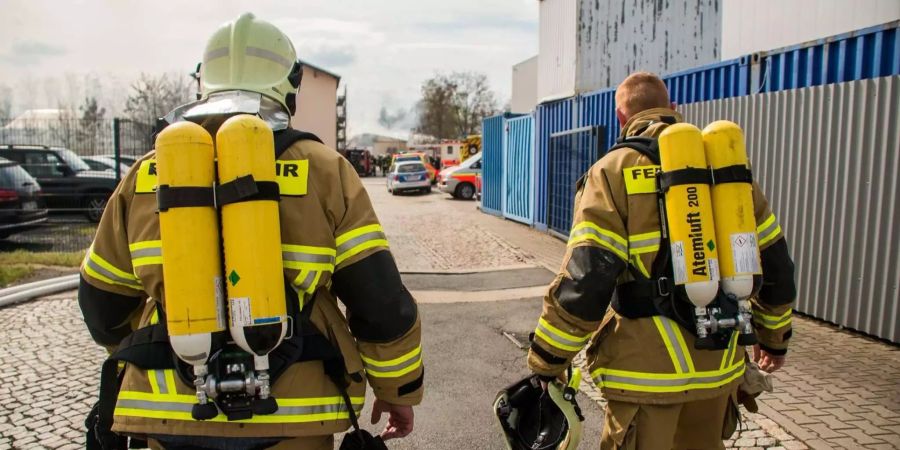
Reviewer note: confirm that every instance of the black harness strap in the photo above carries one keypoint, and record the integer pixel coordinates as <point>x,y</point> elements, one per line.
<point>680,177</point>
<point>183,197</point>
<point>732,174</point>
<point>245,189</point>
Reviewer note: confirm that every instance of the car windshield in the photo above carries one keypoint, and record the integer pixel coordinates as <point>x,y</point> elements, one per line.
<point>408,158</point>
<point>14,176</point>
<point>72,160</point>
<point>410,168</point>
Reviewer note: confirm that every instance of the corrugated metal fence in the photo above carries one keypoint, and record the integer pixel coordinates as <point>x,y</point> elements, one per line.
<point>551,118</point>
<point>828,158</point>
<point>492,165</point>
<point>518,175</point>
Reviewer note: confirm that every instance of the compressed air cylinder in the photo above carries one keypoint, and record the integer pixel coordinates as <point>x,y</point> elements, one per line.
<point>191,259</point>
<point>689,216</point>
<point>733,212</point>
<point>251,235</point>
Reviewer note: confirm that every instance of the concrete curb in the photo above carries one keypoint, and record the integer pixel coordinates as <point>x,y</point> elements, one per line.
<point>30,291</point>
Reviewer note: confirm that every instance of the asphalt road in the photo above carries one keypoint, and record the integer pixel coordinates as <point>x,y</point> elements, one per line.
<point>467,360</point>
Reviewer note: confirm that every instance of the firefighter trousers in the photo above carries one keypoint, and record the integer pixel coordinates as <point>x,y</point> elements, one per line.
<point>301,443</point>
<point>699,425</point>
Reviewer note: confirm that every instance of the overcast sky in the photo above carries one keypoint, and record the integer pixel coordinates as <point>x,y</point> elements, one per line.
<point>382,49</point>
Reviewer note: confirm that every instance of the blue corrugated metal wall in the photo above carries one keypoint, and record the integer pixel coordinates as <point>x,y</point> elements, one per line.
<point>492,165</point>
<point>712,82</point>
<point>599,109</point>
<point>550,118</point>
<point>868,53</point>
<point>571,154</point>
<point>518,175</point>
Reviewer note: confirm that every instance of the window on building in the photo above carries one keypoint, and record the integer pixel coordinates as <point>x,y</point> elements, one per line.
<point>449,149</point>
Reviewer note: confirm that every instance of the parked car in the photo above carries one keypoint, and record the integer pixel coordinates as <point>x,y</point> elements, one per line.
<point>103,163</point>
<point>459,181</point>
<point>128,160</point>
<point>68,183</point>
<point>420,157</point>
<point>408,176</point>
<point>21,205</point>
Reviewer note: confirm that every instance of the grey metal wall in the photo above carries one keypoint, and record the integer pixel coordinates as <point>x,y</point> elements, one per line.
<point>617,37</point>
<point>828,159</point>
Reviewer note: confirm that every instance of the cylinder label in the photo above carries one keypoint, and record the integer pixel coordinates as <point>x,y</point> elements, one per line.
<point>679,264</point>
<point>746,253</point>
<point>240,312</point>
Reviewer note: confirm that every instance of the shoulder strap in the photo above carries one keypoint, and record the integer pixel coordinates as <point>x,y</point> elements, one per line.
<point>288,136</point>
<point>646,146</point>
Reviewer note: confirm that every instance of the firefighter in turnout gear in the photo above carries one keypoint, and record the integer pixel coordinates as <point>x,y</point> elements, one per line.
<point>330,248</point>
<point>615,294</point>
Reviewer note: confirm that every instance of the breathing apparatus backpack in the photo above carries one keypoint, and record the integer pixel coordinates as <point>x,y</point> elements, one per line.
<point>708,265</point>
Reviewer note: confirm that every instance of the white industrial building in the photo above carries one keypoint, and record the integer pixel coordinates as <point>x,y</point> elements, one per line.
<point>586,45</point>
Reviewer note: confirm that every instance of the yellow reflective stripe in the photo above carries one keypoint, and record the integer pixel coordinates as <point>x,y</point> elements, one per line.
<point>666,382</point>
<point>396,367</point>
<point>669,347</point>
<point>728,355</point>
<point>154,384</point>
<point>170,379</point>
<point>99,268</point>
<point>140,245</point>
<point>640,265</point>
<point>299,257</point>
<point>558,338</point>
<point>768,230</point>
<point>588,231</point>
<point>773,322</point>
<point>358,240</point>
<point>145,253</point>
<point>675,346</point>
<point>644,243</point>
<point>178,407</point>
<point>684,349</point>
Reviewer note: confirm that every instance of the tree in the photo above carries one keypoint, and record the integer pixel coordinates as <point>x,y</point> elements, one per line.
<point>6,99</point>
<point>453,106</point>
<point>91,126</point>
<point>153,96</point>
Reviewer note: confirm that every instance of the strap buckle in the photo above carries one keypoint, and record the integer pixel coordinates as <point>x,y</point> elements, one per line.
<point>662,286</point>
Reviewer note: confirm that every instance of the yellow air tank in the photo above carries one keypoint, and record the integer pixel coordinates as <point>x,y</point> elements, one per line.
<point>689,215</point>
<point>733,213</point>
<point>251,235</point>
<point>191,260</point>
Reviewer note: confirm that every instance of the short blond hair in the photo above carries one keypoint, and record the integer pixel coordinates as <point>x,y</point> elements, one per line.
<point>641,91</point>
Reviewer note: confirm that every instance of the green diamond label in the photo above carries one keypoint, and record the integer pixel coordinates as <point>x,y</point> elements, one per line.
<point>233,278</point>
<point>711,245</point>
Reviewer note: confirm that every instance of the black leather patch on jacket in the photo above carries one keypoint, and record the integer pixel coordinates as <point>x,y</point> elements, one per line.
<point>587,290</point>
<point>379,308</point>
<point>412,386</point>
<point>778,275</point>
<point>105,313</point>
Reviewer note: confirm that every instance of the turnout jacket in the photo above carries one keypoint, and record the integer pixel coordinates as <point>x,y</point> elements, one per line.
<point>616,237</point>
<point>333,248</point>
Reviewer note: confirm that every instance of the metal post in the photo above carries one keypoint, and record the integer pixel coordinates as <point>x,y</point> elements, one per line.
<point>117,149</point>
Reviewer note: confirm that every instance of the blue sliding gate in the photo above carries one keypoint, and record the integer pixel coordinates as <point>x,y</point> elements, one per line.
<point>518,174</point>
<point>492,164</point>
<point>571,154</point>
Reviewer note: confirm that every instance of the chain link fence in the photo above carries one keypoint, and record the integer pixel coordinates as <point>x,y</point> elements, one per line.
<point>56,175</point>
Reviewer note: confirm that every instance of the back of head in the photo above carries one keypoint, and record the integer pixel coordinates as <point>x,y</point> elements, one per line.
<point>639,92</point>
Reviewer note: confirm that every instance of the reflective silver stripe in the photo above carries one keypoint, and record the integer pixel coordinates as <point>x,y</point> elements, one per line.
<point>308,281</point>
<point>349,245</point>
<point>215,53</point>
<point>396,367</point>
<point>269,55</point>
<point>678,382</point>
<point>587,230</point>
<point>147,405</point>
<point>144,252</point>
<point>307,257</point>
<point>131,282</point>
<point>161,381</point>
<point>636,246</point>
<point>771,322</point>
<point>676,347</point>
<point>559,339</point>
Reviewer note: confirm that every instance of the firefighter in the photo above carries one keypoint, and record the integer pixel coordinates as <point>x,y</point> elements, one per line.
<point>612,296</point>
<point>332,248</point>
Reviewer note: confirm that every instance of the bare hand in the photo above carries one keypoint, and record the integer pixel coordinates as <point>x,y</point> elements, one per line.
<point>767,362</point>
<point>400,419</point>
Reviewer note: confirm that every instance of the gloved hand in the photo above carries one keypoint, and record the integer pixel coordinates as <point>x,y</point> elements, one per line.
<point>767,362</point>
<point>400,419</point>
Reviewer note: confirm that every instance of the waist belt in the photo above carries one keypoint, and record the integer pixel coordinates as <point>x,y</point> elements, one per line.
<point>647,298</point>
